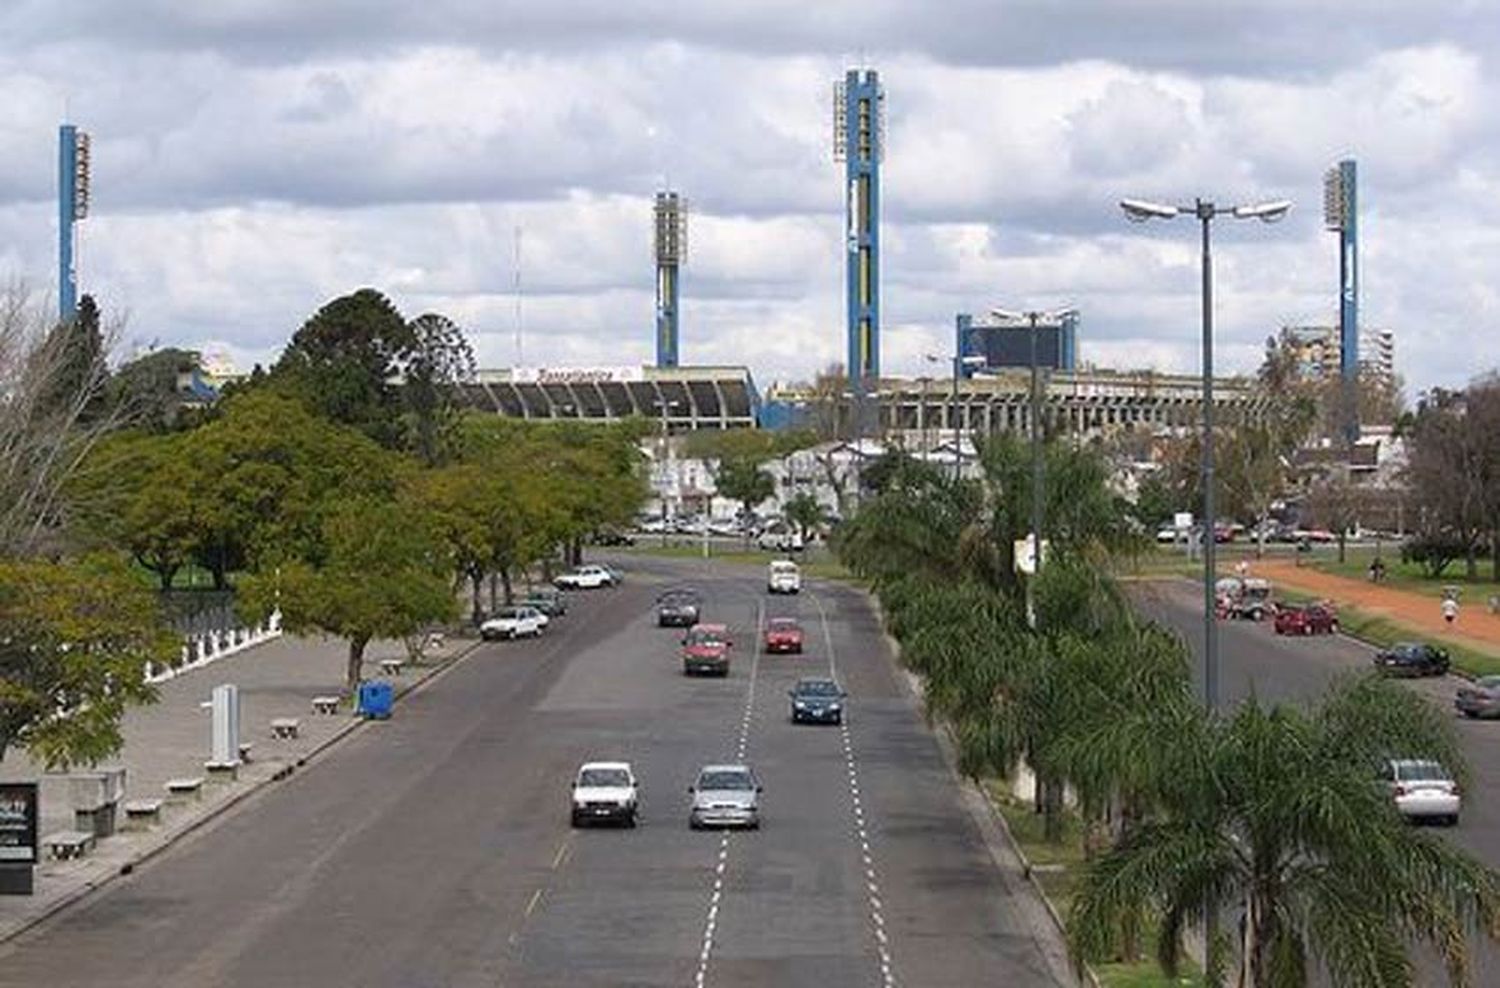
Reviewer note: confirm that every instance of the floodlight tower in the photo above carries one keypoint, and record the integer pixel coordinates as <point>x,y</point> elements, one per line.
<point>1341,213</point>
<point>859,142</point>
<point>72,206</point>
<point>671,252</point>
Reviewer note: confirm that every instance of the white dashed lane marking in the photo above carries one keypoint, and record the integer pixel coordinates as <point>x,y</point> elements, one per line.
<point>743,743</point>
<point>872,883</point>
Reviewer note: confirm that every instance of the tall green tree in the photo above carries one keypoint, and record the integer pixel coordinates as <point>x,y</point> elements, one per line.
<point>345,362</point>
<point>1276,816</point>
<point>146,391</point>
<point>804,511</point>
<point>440,363</point>
<point>139,492</point>
<point>78,637</point>
<point>381,571</point>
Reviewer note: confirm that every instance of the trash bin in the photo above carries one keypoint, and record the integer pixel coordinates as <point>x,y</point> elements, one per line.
<point>375,699</point>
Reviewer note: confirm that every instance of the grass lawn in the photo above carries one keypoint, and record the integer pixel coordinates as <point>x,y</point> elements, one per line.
<point>1409,576</point>
<point>1058,868</point>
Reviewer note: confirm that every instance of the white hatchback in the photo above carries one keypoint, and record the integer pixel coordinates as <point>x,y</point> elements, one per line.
<point>1423,790</point>
<point>587,578</point>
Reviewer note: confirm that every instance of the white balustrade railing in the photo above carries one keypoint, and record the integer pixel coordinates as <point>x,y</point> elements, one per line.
<point>202,649</point>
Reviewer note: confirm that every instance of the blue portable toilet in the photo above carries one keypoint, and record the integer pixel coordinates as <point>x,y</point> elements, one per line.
<point>375,699</point>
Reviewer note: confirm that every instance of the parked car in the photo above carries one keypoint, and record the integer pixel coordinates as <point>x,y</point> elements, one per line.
<point>1423,790</point>
<point>725,796</point>
<point>1481,698</point>
<point>549,600</point>
<point>817,701</point>
<point>783,634</point>
<point>514,622</point>
<point>783,576</point>
<point>705,649</point>
<point>1309,619</point>
<point>1412,659</point>
<point>780,540</point>
<point>590,577</point>
<point>612,536</point>
<point>677,608</point>
<point>605,792</point>
<point>1167,535</point>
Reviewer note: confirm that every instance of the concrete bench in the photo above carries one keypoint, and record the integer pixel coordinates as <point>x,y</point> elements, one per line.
<point>285,727</point>
<point>392,667</point>
<point>146,811</point>
<point>325,704</point>
<point>222,771</point>
<point>67,844</point>
<point>246,749</point>
<point>184,787</point>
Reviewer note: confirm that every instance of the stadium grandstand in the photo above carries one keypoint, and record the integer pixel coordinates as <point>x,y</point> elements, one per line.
<point>684,399</point>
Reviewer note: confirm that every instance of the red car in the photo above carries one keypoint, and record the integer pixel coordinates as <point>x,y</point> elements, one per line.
<point>705,649</point>
<point>1311,619</point>
<point>783,635</point>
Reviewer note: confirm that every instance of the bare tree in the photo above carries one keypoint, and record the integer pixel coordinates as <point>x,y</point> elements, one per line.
<point>50,417</point>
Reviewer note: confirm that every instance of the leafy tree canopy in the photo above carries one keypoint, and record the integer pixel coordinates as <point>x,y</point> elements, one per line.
<point>73,656</point>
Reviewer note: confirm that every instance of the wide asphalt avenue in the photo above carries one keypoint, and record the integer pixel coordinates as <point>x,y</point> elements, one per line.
<point>435,849</point>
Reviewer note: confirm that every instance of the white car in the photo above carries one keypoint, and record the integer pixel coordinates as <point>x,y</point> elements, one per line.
<point>788,541</point>
<point>783,576</point>
<point>605,792</point>
<point>587,578</point>
<point>513,622</point>
<point>1423,790</point>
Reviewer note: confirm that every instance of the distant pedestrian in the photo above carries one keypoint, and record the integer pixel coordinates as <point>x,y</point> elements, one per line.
<point>1450,610</point>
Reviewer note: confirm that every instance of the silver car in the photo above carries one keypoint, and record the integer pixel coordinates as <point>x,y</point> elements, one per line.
<point>725,796</point>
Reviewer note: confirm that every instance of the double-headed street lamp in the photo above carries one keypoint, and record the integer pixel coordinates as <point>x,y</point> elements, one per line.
<point>1032,319</point>
<point>1139,211</point>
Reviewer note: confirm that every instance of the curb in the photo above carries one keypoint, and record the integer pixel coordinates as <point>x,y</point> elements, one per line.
<point>913,682</point>
<point>128,866</point>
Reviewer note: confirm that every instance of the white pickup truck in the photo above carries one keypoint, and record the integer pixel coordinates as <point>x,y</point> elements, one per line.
<point>783,577</point>
<point>587,578</point>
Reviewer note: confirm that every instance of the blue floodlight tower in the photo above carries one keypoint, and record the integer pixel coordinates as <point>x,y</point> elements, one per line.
<point>72,206</point>
<point>671,252</point>
<point>859,142</point>
<point>1341,213</point>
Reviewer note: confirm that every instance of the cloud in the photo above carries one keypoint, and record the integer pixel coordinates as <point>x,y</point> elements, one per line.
<point>254,158</point>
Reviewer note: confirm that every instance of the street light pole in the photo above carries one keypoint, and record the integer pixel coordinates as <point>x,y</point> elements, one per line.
<point>1205,213</point>
<point>1139,211</point>
<point>958,456</point>
<point>1036,475</point>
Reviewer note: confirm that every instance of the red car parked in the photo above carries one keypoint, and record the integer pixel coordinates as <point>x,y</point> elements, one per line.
<point>1311,619</point>
<point>783,635</point>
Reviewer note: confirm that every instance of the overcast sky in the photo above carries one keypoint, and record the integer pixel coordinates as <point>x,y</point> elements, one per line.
<point>255,158</point>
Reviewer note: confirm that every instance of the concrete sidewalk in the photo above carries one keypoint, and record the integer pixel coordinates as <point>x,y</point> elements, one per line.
<point>171,739</point>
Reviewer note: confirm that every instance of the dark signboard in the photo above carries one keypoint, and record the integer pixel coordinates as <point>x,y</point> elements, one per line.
<point>19,811</point>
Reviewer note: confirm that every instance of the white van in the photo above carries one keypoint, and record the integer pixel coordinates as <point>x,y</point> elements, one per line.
<point>784,577</point>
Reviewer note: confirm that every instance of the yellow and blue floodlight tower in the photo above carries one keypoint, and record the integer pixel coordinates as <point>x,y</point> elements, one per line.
<point>72,206</point>
<point>859,142</point>
<point>671,252</point>
<point>1341,213</point>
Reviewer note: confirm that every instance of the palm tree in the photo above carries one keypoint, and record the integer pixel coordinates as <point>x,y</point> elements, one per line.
<point>1275,815</point>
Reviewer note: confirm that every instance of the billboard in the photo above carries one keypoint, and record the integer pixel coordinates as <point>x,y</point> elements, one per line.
<point>576,375</point>
<point>19,812</point>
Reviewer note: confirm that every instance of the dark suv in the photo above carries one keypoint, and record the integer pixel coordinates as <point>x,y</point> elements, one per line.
<point>677,608</point>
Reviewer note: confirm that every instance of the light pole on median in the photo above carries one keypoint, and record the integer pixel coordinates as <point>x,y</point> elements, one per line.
<point>663,405</point>
<point>1139,211</point>
<point>1032,320</point>
<point>958,362</point>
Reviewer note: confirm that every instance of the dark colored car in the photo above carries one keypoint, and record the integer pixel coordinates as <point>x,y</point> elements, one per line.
<point>610,536</point>
<point>1312,619</point>
<point>548,600</point>
<point>678,608</point>
<point>1481,698</point>
<point>1412,659</point>
<point>783,634</point>
<point>705,649</point>
<point>817,701</point>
